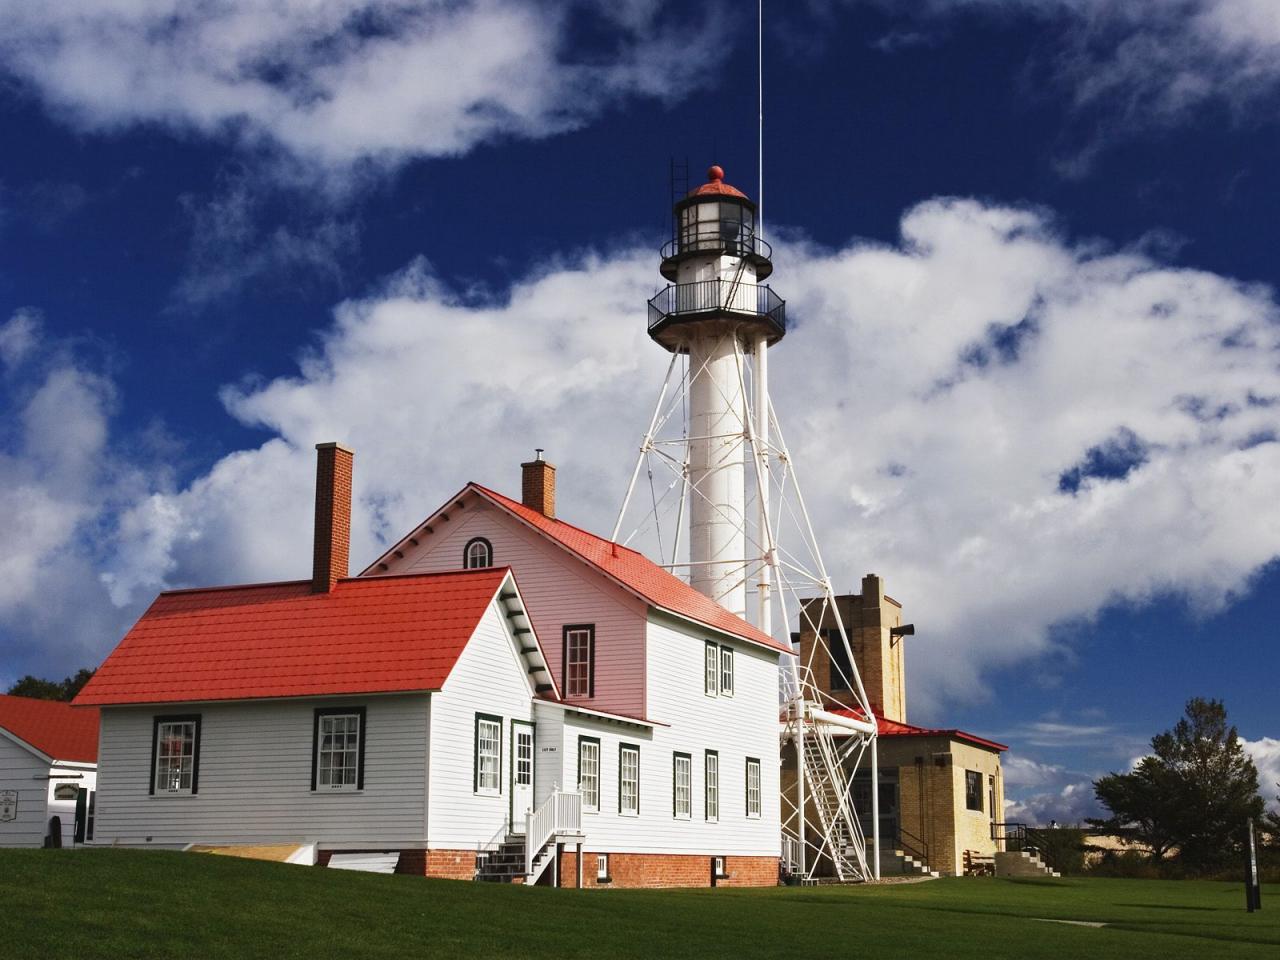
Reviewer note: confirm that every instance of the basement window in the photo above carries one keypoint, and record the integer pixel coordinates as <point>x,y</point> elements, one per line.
<point>973,790</point>
<point>602,868</point>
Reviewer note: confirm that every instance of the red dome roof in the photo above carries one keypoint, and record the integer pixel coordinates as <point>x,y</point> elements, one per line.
<point>715,185</point>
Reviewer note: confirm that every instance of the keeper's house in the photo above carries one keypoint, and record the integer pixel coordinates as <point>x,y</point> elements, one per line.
<point>48,763</point>
<point>498,688</point>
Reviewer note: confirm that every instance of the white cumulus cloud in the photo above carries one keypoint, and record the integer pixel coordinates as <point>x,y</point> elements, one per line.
<point>1265,753</point>
<point>954,402</point>
<point>342,82</point>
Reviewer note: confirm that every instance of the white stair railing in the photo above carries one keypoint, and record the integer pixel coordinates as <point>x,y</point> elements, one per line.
<point>560,813</point>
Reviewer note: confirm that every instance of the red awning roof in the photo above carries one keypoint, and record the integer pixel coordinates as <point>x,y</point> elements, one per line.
<point>58,730</point>
<point>636,572</point>
<point>369,635</point>
<point>892,728</point>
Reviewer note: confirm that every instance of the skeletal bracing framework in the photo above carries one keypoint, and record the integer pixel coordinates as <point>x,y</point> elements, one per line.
<point>780,580</point>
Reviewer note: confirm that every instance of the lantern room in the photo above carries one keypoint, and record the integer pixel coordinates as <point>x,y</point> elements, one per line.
<point>715,262</point>
<point>717,219</point>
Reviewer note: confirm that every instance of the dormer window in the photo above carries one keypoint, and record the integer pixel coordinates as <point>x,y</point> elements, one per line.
<point>477,554</point>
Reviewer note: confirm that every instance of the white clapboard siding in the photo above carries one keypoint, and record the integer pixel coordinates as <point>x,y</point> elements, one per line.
<point>255,776</point>
<point>548,772</point>
<point>557,588</point>
<point>741,726</point>
<point>19,770</point>
<point>491,678</point>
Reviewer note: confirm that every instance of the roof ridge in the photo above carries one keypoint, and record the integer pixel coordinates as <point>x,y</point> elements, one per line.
<point>263,584</point>
<point>564,523</point>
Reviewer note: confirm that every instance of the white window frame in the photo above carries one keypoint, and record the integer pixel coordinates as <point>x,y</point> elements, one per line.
<point>602,866</point>
<point>628,786</point>
<point>348,751</point>
<point>753,788</point>
<point>589,773</point>
<point>711,785</point>
<point>175,774</point>
<point>488,755</point>
<point>682,786</point>
<point>485,555</point>
<point>726,671</point>
<point>711,669</point>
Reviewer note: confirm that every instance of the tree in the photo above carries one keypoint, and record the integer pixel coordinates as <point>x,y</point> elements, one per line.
<point>65,689</point>
<point>1195,792</point>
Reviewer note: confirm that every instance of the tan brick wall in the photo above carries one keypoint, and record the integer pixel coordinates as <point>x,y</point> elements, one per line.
<point>867,618</point>
<point>668,870</point>
<point>931,795</point>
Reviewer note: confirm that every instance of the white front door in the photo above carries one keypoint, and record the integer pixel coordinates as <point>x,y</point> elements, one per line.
<point>521,773</point>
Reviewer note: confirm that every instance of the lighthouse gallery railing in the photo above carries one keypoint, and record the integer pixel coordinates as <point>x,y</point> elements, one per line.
<point>708,296</point>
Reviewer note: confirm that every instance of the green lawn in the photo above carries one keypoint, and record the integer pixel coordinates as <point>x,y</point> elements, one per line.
<point>120,903</point>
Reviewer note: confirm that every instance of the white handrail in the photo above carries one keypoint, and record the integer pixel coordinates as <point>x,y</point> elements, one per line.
<point>560,813</point>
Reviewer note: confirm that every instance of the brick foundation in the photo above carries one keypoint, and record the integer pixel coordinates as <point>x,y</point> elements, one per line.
<point>451,864</point>
<point>444,864</point>
<point>668,870</point>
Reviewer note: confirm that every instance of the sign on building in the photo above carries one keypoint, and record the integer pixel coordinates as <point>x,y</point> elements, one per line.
<point>8,805</point>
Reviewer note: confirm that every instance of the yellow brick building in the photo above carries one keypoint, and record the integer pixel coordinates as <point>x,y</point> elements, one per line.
<point>941,790</point>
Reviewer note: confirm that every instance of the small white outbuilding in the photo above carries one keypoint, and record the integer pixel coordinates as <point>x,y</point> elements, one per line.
<point>48,772</point>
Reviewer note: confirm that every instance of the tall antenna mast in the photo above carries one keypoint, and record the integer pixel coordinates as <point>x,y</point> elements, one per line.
<point>759,118</point>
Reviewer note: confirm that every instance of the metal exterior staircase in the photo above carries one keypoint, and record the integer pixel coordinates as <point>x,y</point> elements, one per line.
<point>828,793</point>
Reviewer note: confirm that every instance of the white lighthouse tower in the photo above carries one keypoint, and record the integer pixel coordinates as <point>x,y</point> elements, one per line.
<point>735,522</point>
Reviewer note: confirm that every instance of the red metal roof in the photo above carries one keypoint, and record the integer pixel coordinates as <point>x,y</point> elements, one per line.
<point>715,186</point>
<point>369,635</point>
<point>58,730</point>
<point>892,728</point>
<point>635,571</point>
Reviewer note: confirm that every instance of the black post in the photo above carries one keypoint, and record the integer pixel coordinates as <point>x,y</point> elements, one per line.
<point>1252,888</point>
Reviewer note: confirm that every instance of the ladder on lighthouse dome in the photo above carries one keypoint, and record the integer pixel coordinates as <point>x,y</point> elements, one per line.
<point>724,510</point>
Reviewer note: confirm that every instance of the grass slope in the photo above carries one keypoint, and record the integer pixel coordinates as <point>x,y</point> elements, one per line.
<point>126,904</point>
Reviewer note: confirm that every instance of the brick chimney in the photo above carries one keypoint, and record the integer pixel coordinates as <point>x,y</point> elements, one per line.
<point>538,485</point>
<point>333,516</point>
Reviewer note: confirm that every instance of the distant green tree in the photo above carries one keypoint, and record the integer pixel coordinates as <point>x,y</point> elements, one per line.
<point>1272,823</point>
<point>1195,792</point>
<point>65,689</point>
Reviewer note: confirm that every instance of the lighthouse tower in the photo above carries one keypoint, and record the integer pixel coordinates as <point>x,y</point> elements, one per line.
<point>736,523</point>
<point>717,311</point>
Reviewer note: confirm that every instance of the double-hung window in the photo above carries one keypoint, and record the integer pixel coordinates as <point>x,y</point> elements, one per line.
<point>175,755</point>
<point>711,681</point>
<point>681,786</point>
<point>337,750</point>
<point>711,779</point>
<point>629,779</point>
<point>579,652</point>
<point>726,671</point>
<point>589,772</point>
<point>488,763</point>
<point>753,787</point>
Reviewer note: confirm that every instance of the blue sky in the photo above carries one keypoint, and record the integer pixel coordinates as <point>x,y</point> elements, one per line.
<point>1028,247</point>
